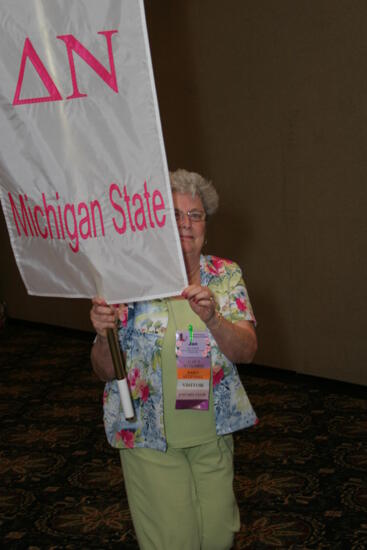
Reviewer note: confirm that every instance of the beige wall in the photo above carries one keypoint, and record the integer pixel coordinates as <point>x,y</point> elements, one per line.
<point>269,99</point>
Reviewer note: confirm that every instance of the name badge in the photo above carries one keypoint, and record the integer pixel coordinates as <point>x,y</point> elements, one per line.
<point>193,370</point>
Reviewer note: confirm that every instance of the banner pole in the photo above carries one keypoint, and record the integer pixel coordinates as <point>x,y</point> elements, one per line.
<point>120,371</point>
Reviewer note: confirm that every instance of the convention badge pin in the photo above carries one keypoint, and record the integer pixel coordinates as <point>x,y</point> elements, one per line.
<point>193,369</point>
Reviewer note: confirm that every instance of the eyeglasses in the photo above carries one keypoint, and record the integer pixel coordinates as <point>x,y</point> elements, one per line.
<point>193,215</point>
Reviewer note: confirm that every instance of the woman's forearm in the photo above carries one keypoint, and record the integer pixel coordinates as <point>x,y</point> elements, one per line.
<point>101,359</point>
<point>237,341</point>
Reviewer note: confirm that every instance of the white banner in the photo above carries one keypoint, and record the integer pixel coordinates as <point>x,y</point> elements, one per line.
<point>83,173</point>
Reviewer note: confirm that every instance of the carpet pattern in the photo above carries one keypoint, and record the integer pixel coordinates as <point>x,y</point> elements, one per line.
<point>300,479</point>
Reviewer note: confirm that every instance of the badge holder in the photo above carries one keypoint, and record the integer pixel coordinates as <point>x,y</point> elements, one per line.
<point>193,369</point>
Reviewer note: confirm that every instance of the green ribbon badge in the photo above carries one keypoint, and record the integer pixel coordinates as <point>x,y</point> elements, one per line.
<point>191,333</point>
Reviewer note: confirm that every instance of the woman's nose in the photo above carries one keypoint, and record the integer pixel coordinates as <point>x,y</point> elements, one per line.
<point>185,220</point>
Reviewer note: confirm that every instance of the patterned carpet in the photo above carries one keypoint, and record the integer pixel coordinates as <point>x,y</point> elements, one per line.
<point>300,474</point>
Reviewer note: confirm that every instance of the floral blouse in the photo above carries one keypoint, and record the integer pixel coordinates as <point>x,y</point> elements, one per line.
<point>141,335</point>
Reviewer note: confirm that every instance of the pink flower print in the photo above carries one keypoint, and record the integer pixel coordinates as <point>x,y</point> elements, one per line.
<point>206,351</point>
<point>122,313</point>
<point>212,269</point>
<point>241,304</point>
<point>127,437</point>
<point>133,376</point>
<point>145,393</point>
<point>217,262</point>
<point>105,396</point>
<point>217,265</point>
<point>217,376</point>
<point>121,310</point>
<point>143,389</point>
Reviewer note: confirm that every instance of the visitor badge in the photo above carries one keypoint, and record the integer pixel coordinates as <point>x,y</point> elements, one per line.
<point>193,369</point>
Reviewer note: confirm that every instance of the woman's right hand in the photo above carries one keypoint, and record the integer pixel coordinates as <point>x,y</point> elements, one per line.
<point>102,316</point>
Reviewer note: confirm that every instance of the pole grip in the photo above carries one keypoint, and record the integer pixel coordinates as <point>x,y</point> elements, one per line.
<point>120,372</point>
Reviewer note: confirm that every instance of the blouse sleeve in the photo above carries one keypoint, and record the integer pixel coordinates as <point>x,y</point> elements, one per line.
<point>240,305</point>
<point>125,326</point>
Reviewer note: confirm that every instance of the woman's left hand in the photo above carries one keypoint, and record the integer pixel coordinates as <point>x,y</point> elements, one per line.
<point>236,340</point>
<point>201,300</point>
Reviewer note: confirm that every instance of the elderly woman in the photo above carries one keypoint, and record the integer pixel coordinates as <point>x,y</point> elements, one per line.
<point>177,454</point>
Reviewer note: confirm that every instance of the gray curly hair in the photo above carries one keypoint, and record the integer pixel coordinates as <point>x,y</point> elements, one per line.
<point>183,181</point>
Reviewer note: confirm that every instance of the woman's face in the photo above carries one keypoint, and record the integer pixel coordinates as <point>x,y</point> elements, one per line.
<point>192,233</point>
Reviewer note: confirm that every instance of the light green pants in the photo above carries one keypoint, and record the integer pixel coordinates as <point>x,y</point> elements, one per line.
<point>182,499</point>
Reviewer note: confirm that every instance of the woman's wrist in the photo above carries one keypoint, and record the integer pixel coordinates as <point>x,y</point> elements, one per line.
<point>215,321</point>
<point>101,339</point>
